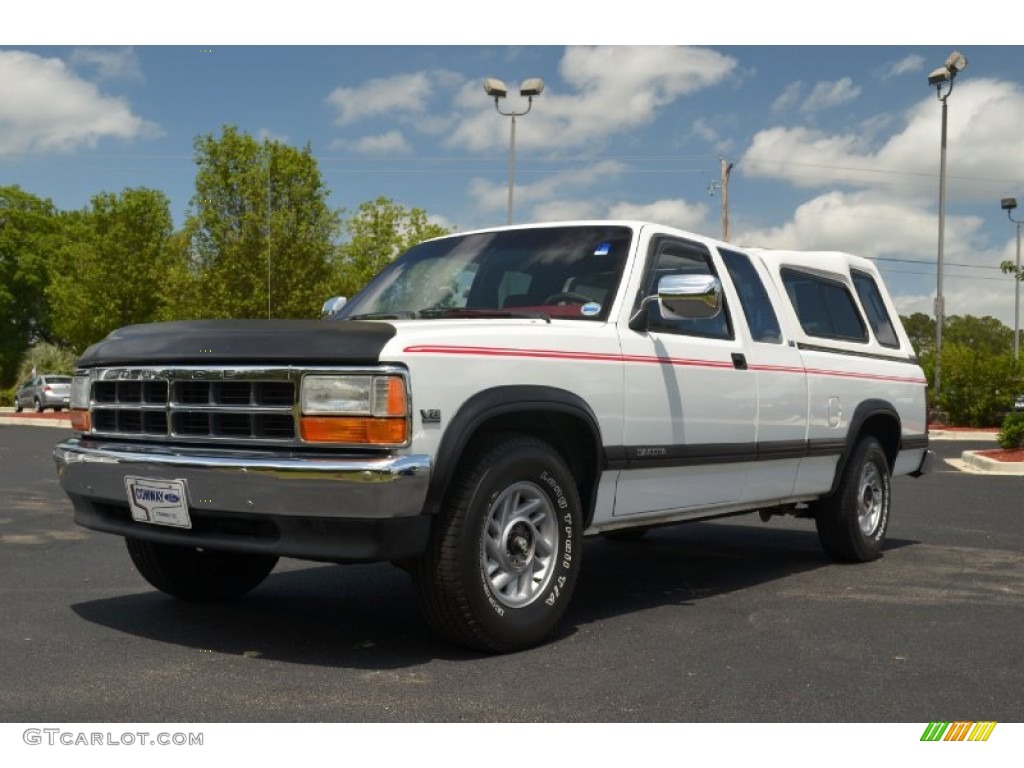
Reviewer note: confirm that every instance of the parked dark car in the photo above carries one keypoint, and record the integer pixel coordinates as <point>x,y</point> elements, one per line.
<point>47,390</point>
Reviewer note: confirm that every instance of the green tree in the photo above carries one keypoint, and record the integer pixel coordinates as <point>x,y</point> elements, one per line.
<point>29,236</point>
<point>114,265</point>
<point>985,334</point>
<point>379,231</point>
<point>259,232</point>
<point>977,385</point>
<point>921,330</point>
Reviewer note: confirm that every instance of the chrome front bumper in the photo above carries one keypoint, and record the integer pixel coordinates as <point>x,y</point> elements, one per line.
<point>300,504</point>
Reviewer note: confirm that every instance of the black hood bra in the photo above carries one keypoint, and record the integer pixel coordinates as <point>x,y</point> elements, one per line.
<point>199,342</point>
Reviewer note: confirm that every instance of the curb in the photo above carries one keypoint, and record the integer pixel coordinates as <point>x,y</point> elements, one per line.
<point>991,466</point>
<point>962,434</point>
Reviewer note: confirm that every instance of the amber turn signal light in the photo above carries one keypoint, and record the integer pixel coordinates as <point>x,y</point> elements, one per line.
<point>356,430</point>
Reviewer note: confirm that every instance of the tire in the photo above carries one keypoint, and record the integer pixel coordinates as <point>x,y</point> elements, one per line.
<point>505,551</point>
<point>39,405</point>
<point>199,575</point>
<point>852,522</point>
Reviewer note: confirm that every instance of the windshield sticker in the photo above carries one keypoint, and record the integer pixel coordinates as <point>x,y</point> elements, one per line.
<point>590,309</point>
<point>603,249</point>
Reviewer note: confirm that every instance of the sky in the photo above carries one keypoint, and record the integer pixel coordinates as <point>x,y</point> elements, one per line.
<point>833,147</point>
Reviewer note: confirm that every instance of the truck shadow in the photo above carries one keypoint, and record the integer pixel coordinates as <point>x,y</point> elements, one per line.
<point>365,616</point>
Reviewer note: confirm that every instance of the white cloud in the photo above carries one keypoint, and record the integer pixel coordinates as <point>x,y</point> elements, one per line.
<point>406,94</point>
<point>908,64</point>
<point>789,98</point>
<point>109,63</point>
<point>902,235</point>
<point>45,107</point>
<point>490,196</point>
<point>985,119</point>
<point>390,143</point>
<point>826,95</point>
<point>674,213</point>
<point>567,210</point>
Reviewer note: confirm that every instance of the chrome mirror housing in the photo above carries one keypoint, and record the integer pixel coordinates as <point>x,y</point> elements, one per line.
<point>332,306</point>
<point>689,296</point>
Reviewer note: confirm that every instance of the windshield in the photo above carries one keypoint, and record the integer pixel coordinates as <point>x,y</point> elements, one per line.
<point>565,271</point>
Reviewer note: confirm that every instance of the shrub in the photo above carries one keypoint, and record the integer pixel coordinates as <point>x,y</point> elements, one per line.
<point>1012,434</point>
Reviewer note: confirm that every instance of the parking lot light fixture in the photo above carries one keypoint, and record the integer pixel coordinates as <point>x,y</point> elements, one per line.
<point>497,89</point>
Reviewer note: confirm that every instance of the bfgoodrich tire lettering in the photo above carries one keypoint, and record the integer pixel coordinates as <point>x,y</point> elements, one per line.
<point>199,575</point>
<point>505,553</point>
<point>852,522</point>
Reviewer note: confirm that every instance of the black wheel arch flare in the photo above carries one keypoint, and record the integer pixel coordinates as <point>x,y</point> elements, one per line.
<point>556,415</point>
<point>875,417</point>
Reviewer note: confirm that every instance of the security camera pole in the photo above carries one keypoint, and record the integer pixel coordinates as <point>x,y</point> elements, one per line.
<point>939,77</point>
<point>499,90</point>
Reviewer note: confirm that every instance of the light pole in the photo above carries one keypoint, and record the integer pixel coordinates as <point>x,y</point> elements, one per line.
<point>1008,204</point>
<point>497,88</point>
<point>940,77</point>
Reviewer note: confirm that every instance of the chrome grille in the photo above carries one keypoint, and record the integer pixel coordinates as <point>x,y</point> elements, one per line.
<point>188,404</point>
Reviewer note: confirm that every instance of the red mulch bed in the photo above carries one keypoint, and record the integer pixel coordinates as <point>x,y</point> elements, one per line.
<point>999,454</point>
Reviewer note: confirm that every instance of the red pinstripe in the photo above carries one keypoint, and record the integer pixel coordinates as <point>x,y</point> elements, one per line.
<point>604,357</point>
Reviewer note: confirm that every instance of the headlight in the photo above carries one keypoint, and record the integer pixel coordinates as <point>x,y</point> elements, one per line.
<point>360,409</point>
<point>354,395</point>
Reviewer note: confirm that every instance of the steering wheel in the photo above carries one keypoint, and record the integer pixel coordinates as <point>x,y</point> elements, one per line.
<point>567,296</point>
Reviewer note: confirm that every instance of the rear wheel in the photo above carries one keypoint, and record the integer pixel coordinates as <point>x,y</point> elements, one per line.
<point>852,522</point>
<point>199,575</point>
<point>505,552</point>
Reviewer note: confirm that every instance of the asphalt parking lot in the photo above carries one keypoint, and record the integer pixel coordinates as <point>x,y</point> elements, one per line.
<point>727,621</point>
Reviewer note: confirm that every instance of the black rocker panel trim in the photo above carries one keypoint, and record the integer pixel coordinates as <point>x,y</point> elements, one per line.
<point>656,456</point>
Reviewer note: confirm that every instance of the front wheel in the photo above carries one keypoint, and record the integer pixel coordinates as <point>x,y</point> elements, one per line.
<point>852,522</point>
<point>505,552</point>
<point>199,575</point>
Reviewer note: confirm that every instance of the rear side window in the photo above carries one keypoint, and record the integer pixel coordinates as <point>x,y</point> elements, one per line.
<point>874,306</point>
<point>757,307</point>
<point>824,307</point>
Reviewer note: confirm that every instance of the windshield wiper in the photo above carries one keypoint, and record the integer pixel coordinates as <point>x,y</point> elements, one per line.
<point>400,314</point>
<point>464,312</point>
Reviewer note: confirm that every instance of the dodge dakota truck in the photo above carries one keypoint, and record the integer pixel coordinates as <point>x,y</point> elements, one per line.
<point>491,399</point>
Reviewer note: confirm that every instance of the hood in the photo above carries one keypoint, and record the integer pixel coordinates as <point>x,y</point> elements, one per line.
<point>285,342</point>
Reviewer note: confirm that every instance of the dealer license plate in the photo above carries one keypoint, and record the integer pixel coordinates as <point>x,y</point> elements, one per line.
<point>162,502</point>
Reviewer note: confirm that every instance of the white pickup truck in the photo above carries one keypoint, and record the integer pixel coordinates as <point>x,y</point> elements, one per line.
<point>489,400</point>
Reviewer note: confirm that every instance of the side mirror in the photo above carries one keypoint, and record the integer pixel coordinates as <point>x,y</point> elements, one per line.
<point>689,296</point>
<point>679,297</point>
<point>332,306</point>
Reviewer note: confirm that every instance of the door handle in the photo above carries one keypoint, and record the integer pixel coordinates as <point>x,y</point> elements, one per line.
<point>739,361</point>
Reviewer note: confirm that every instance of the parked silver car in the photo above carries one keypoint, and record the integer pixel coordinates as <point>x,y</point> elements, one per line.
<point>47,390</point>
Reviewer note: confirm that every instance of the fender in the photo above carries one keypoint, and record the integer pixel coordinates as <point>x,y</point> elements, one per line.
<point>864,411</point>
<point>498,402</point>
